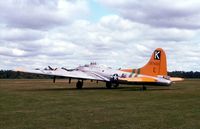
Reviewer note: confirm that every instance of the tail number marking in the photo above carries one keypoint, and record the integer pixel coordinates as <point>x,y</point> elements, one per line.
<point>157,55</point>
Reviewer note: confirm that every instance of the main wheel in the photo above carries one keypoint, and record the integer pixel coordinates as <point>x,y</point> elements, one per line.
<point>115,85</point>
<point>79,85</point>
<point>108,85</point>
<point>114,81</point>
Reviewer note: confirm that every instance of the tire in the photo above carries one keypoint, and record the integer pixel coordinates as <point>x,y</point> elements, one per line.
<point>114,81</point>
<point>108,85</point>
<point>115,85</point>
<point>79,85</point>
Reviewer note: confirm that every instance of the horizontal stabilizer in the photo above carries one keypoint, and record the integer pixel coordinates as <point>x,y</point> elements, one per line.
<point>176,79</point>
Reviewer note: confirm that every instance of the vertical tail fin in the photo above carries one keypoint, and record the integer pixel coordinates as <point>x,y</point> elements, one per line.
<point>157,65</point>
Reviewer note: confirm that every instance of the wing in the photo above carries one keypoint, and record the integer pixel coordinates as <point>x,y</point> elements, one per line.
<point>77,74</point>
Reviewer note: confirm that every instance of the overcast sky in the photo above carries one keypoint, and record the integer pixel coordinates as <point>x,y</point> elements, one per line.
<point>120,33</point>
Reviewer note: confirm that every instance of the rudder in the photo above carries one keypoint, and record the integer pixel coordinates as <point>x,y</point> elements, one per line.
<point>157,64</point>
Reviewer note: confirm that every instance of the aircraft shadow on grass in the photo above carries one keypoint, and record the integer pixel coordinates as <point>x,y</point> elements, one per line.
<point>99,88</point>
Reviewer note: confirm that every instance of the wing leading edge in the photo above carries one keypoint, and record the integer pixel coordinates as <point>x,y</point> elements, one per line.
<point>77,74</point>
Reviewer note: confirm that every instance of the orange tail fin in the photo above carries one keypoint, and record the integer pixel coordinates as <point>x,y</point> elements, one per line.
<point>157,65</point>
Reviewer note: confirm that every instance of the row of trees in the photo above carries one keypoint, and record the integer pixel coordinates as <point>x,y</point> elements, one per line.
<point>183,74</point>
<point>8,74</point>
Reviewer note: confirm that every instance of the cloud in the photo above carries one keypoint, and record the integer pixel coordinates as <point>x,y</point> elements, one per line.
<point>40,14</point>
<point>160,13</point>
<point>112,40</point>
<point>16,34</point>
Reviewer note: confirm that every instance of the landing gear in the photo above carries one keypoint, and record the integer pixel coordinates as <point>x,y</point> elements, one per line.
<point>70,79</point>
<point>54,79</point>
<point>110,85</point>
<point>113,83</point>
<point>116,84</point>
<point>144,88</point>
<point>79,84</point>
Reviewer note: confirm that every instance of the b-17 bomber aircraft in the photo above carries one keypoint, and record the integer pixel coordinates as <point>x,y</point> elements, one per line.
<point>153,73</point>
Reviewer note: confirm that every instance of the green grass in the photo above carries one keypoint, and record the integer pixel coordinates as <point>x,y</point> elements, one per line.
<point>40,104</point>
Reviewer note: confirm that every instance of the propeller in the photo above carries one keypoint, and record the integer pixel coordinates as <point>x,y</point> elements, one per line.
<point>50,68</point>
<point>67,69</point>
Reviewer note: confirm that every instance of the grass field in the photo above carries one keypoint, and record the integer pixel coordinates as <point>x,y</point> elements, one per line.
<point>40,104</point>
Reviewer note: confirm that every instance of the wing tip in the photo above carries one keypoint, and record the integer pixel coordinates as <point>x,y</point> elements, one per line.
<point>20,69</point>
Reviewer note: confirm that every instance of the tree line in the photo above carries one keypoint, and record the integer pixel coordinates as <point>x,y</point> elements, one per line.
<point>184,74</point>
<point>8,74</point>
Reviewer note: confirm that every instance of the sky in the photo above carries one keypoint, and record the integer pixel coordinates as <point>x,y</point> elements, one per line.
<point>119,34</point>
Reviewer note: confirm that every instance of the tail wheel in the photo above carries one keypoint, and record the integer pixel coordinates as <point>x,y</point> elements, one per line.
<point>144,88</point>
